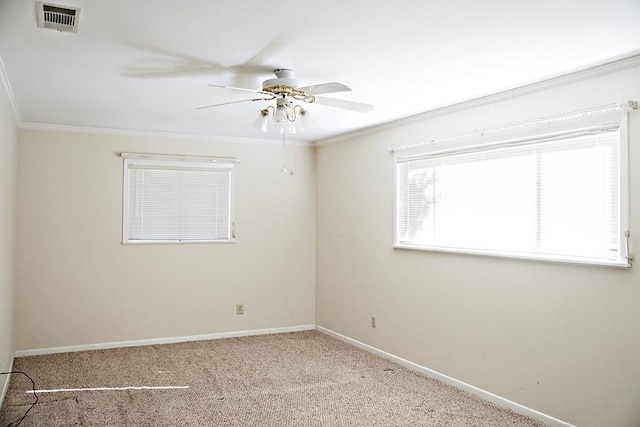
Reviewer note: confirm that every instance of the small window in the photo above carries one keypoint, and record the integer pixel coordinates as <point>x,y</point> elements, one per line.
<point>177,199</point>
<point>554,196</point>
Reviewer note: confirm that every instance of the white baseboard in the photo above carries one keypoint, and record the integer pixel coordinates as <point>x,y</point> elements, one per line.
<point>6,379</point>
<point>153,341</point>
<point>486,395</point>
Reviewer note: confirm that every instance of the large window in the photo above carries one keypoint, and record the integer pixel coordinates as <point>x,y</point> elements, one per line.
<point>177,199</point>
<point>558,196</point>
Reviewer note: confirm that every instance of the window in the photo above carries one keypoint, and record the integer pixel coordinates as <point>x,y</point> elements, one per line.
<point>555,196</point>
<point>177,199</point>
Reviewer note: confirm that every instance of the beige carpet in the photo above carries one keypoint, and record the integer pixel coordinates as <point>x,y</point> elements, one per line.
<point>293,379</point>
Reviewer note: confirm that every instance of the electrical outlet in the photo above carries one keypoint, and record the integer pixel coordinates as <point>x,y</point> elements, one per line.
<point>373,321</point>
<point>239,308</point>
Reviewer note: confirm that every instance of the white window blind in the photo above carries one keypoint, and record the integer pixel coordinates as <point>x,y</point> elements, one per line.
<point>177,201</point>
<point>557,197</point>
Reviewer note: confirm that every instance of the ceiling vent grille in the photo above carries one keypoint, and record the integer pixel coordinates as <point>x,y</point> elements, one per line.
<point>57,17</point>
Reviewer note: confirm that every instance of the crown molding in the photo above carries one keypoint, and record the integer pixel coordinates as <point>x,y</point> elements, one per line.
<point>610,67</point>
<point>621,64</point>
<point>169,135</point>
<point>8,90</point>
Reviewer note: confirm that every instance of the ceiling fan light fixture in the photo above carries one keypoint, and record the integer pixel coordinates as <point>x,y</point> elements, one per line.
<point>284,116</point>
<point>288,127</point>
<point>305,119</point>
<point>286,91</point>
<point>281,114</point>
<point>262,121</point>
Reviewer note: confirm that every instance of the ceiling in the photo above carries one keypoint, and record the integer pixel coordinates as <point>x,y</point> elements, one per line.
<point>146,65</point>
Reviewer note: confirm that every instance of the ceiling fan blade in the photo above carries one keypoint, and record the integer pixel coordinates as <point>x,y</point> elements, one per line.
<point>325,88</point>
<point>268,51</point>
<point>171,72</point>
<point>249,72</point>
<point>344,104</point>
<point>166,63</point>
<point>233,102</point>
<point>245,90</point>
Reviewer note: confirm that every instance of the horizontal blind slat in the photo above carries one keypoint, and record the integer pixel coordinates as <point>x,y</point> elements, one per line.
<point>557,197</point>
<point>179,203</point>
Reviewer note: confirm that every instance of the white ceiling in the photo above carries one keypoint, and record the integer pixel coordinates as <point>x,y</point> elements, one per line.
<point>145,65</point>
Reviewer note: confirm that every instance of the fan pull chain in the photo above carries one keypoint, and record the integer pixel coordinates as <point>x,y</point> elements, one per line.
<point>284,157</point>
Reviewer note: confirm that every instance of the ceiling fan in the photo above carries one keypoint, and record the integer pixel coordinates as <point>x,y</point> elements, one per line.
<point>286,90</point>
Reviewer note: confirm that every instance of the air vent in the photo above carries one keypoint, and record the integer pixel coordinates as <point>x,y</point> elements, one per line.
<point>56,17</point>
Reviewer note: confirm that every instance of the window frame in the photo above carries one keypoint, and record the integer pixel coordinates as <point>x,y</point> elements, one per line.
<point>176,161</point>
<point>477,141</point>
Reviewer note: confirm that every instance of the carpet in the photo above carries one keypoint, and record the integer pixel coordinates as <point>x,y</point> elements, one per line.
<point>292,379</point>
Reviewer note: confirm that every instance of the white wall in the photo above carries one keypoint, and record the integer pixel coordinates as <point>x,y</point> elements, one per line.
<point>562,339</point>
<point>8,171</point>
<point>77,284</point>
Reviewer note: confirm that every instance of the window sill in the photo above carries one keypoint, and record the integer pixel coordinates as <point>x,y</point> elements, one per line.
<point>527,257</point>
<point>175,242</point>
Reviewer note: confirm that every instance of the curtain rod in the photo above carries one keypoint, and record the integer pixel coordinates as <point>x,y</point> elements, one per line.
<point>178,157</point>
<point>630,105</point>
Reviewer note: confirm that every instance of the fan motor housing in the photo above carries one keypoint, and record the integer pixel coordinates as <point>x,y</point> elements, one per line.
<point>280,82</point>
<point>284,77</point>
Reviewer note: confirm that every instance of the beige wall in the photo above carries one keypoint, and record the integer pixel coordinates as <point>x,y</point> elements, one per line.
<point>77,284</point>
<point>8,171</point>
<point>562,339</point>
